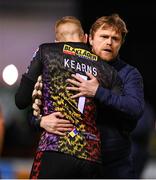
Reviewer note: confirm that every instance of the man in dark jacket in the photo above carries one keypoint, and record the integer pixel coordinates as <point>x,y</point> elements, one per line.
<point>77,153</point>
<point>117,114</point>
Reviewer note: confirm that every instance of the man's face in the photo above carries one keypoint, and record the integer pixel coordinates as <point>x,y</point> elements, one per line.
<point>106,43</point>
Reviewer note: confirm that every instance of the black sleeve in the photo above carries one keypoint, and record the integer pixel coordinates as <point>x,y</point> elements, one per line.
<point>34,122</point>
<point>23,96</point>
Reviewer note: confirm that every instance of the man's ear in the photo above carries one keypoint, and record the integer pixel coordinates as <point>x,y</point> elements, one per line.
<point>85,39</point>
<point>90,41</point>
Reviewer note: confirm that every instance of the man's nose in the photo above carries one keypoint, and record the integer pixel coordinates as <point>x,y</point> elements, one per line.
<point>109,41</point>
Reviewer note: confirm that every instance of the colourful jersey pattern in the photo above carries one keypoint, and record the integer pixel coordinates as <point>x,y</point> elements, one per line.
<point>59,62</point>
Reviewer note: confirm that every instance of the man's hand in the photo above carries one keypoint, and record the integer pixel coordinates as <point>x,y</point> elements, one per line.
<point>54,123</point>
<point>85,88</point>
<point>36,97</point>
<point>36,107</point>
<point>37,92</point>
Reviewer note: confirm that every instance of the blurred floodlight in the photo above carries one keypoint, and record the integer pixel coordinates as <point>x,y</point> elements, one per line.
<point>10,74</point>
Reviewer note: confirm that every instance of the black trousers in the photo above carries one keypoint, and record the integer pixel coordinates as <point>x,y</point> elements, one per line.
<point>119,169</point>
<point>50,164</point>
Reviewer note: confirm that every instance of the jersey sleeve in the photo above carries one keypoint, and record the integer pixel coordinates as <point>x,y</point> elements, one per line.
<point>23,96</point>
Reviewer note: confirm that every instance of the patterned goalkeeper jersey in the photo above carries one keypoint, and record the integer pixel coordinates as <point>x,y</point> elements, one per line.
<point>59,61</point>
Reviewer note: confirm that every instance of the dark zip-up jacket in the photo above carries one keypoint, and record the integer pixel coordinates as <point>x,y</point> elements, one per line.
<point>118,114</point>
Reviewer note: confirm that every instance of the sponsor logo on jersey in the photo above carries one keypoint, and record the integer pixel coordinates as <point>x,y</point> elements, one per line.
<point>79,52</point>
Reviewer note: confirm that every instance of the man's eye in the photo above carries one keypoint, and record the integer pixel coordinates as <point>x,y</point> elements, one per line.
<point>104,37</point>
<point>116,38</point>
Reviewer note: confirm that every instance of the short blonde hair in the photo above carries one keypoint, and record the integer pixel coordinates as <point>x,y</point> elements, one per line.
<point>69,19</point>
<point>113,21</point>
